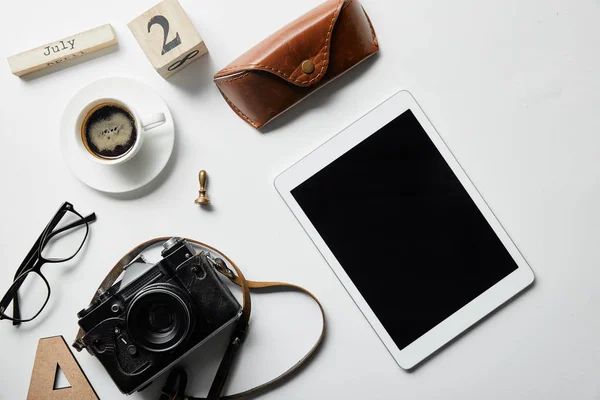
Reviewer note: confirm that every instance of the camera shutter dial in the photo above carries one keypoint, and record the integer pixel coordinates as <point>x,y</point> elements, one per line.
<point>169,244</point>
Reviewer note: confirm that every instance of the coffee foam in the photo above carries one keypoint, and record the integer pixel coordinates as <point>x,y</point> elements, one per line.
<point>115,130</point>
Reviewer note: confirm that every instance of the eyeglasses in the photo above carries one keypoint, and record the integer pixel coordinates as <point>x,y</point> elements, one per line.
<point>30,290</point>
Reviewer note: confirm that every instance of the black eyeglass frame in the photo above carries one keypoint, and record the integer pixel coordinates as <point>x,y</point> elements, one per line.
<point>34,261</point>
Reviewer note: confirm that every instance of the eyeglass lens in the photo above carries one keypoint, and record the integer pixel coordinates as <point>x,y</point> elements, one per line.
<point>33,292</point>
<point>66,244</point>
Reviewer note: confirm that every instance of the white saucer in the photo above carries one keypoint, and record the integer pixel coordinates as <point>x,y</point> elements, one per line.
<point>153,155</point>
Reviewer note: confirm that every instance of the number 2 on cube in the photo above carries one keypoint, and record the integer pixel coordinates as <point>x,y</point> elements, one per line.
<point>164,23</point>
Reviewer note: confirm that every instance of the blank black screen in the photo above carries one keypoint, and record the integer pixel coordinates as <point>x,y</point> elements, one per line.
<point>404,229</point>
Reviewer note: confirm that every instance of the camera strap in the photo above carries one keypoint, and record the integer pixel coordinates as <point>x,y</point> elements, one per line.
<point>175,385</point>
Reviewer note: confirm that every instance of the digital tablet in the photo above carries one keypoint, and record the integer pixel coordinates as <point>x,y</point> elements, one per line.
<point>404,229</point>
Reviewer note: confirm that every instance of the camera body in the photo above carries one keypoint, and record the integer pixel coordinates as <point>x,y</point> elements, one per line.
<point>141,329</point>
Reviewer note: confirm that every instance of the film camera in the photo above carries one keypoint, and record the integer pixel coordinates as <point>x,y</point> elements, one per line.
<point>139,329</point>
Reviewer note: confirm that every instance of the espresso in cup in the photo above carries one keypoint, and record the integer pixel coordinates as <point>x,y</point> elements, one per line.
<point>109,131</point>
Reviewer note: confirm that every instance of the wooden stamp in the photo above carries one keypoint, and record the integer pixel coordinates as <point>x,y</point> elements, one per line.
<point>168,37</point>
<point>54,354</point>
<point>62,50</point>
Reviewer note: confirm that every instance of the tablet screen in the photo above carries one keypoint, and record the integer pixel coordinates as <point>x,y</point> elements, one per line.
<point>404,229</point>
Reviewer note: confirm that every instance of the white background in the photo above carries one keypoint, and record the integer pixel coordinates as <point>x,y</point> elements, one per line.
<point>513,88</point>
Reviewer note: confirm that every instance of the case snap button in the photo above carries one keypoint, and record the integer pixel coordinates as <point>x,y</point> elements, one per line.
<point>308,67</point>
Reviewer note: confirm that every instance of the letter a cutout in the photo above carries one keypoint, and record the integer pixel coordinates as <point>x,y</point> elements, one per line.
<point>53,351</point>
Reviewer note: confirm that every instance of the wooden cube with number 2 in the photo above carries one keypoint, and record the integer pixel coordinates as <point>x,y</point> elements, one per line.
<point>168,37</point>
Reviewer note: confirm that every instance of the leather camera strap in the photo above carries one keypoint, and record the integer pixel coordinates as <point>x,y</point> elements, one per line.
<point>176,382</point>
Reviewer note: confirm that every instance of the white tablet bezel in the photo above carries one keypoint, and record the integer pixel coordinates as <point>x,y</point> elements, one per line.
<point>467,315</point>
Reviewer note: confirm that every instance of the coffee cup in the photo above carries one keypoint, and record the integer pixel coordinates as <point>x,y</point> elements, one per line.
<point>111,132</point>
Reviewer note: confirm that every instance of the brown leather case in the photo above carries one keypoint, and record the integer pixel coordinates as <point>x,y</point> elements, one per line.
<point>297,60</point>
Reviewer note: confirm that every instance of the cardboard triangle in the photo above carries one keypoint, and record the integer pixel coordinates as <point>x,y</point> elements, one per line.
<point>54,353</point>
<point>60,380</point>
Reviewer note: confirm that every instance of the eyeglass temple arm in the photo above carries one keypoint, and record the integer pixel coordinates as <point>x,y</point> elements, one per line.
<point>89,219</point>
<point>28,260</point>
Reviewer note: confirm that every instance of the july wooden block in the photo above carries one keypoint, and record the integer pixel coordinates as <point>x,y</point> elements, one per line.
<point>168,37</point>
<point>62,50</point>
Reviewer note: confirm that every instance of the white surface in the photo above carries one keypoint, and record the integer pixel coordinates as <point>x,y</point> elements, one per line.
<point>149,155</point>
<point>466,316</point>
<point>512,86</point>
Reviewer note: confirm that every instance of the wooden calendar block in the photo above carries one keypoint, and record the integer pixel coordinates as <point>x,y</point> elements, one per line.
<point>168,37</point>
<point>62,50</point>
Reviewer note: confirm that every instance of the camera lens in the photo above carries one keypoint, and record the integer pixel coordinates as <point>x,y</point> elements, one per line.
<point>159,318</point>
